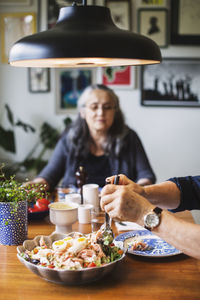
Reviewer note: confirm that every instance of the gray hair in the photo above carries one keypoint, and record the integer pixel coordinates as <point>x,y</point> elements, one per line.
<point>84,96</point>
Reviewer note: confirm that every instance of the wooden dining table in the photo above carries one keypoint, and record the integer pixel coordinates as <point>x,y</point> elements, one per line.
<point>136,277</point>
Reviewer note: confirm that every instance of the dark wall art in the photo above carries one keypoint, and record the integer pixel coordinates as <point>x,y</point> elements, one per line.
<point>174,82</point>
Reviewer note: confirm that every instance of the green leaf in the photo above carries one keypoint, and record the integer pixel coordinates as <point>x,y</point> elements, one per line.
<point>7,140</point>
<point>25,126</point>
<point>49,136</point>
<point>9,114</point>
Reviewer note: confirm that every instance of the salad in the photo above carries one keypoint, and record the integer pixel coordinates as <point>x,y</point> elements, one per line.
<point>74,252</point>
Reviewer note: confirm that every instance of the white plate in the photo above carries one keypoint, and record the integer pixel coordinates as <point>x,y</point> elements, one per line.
<point>156,246</point>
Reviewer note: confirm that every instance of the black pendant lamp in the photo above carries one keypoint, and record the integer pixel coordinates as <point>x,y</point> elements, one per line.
<point>84,36</point>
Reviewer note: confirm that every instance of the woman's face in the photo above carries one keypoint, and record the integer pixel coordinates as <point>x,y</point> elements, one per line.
<point>99,111</point>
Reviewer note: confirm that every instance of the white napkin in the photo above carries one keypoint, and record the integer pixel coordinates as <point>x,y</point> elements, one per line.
<point>127,226</point>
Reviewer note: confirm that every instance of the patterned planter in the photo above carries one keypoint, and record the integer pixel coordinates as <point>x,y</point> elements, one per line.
<point>13,223</point>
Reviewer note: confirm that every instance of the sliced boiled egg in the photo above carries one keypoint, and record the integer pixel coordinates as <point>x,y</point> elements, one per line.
<point>59,245</point>
<point>69,241</point>
<point>78,245</point>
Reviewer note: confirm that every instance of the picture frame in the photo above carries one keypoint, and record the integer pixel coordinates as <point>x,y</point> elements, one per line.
<point>174,82</point>
<point>52,13</point>
<point>122,77</point>
<point>14,26</point>
<point>14,2</point>
<point>152,3</point>
<point>70,83</point>
<point>98,2</point>
<point>39,80</point>
<point>120,12</point>
<point>153,23</point>
<point>185,22</point>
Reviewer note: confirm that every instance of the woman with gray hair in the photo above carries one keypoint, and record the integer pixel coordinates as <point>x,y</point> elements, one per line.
<point>100,141</point>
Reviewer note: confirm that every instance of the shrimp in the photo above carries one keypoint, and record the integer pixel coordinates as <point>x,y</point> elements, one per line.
<point>76,259</point>
<point>86,253</point>
<point>42,242</point>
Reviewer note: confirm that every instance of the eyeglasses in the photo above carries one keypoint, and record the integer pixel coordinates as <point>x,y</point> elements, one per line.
<point>106,107</point>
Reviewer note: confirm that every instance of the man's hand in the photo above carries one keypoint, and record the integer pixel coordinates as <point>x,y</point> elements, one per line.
<point>125,202</point>
<point>123,180</point>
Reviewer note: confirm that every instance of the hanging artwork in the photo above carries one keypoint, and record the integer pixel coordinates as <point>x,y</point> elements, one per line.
<point>120,12</point>
<point>70,85</point>
<point>14,26</point>
<point>39,80</point>
<point>118,77</point>
<point>185,22</point>
<point>153,23</point>
<point>174,82</point>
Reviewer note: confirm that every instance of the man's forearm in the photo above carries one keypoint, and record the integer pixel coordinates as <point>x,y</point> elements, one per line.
<point>164,195</point>
<point>179,233</point>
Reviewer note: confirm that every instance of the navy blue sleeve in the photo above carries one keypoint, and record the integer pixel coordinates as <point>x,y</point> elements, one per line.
<point>143,167</point>
<point>54,170</point>
<point>189,187</point>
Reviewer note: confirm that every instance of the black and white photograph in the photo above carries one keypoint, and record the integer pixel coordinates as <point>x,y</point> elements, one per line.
<point>120,12</point>
<point>171,83</point>
<point>153,24</point>
<point>39,80</point>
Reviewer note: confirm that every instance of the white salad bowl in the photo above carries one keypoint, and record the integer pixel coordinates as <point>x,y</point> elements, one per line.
<point>69,277</point>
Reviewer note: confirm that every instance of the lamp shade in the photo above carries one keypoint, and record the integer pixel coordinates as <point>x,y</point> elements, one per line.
<point>84,36</point>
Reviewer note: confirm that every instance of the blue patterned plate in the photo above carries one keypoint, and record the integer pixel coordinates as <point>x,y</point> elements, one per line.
<point>156,246</point>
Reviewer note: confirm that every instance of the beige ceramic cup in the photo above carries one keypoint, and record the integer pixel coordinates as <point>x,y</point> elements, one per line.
<point>63,215</point>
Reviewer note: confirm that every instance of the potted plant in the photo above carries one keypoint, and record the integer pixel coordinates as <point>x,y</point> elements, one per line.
<point>14,199</point>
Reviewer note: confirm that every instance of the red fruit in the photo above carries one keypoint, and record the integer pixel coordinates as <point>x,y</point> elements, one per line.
<point>42,204</point>
<point>33,209</point>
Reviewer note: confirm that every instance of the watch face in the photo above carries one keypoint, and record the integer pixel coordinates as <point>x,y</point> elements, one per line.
<point>151,220</point>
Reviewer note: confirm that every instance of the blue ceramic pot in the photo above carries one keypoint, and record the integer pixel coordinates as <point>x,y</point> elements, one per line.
<point>13,223</point>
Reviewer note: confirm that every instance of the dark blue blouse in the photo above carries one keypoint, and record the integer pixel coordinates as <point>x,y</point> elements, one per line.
<point>132,161</point>
<point>189,187</point>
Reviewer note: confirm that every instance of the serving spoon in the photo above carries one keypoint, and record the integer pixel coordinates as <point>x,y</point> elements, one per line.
<point>106,230</point>
<point>107,217</point>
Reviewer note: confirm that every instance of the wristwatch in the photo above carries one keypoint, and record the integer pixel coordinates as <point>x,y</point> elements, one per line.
<point>152,219</point>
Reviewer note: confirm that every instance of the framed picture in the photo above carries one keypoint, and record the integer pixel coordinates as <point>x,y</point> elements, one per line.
<point>14,26</point>
<point>148,3</point>
<point>119,77</point>
<point>99,2</point>
<point>70,84</point>
<point>153,23</point>
<point>38,80</point>
<point>14,2</point>
<point>120,12</point>
<point>185,22</point>
<point>174,82</point>
<point>52,13</point>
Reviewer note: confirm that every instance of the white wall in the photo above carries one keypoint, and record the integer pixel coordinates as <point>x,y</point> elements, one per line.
<point>170,135</point>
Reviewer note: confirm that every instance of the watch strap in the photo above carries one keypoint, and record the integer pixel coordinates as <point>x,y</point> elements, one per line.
<point>157,210</point>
